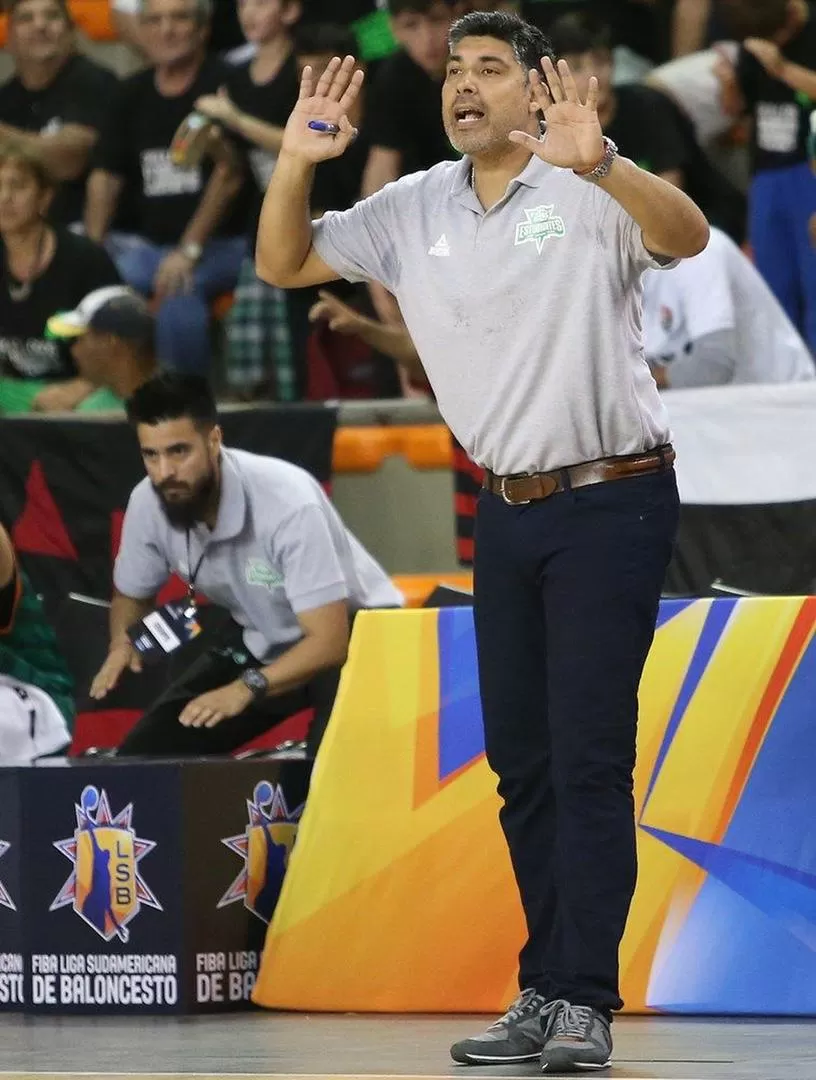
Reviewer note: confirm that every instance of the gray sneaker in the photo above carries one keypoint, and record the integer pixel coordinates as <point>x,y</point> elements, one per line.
<point>519,1035</point>
<point>578,1040</point>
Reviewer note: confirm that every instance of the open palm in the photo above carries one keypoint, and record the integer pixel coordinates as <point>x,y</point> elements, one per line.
<point>573,137</point>
<point>329,100</point>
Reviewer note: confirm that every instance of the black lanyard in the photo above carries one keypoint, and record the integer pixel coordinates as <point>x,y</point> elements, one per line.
<point>193,574</point>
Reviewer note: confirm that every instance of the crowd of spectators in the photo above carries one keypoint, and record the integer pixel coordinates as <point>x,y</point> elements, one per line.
<point>716,96</point>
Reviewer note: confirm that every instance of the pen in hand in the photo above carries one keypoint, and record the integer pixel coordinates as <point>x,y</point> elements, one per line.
<point>322,125</point>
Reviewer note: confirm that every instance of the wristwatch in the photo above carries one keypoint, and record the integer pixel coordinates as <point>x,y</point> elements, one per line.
<point>256,681</point>
<point>599,171</point>
<point>191,251</point>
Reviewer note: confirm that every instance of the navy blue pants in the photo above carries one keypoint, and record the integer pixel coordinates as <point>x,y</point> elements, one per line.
<point>781,205</point>
<point>566,600</point>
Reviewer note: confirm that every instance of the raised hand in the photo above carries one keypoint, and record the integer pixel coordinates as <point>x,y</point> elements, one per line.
<point>573,138</point>
<point>339,316</point>
<point>328,102</point>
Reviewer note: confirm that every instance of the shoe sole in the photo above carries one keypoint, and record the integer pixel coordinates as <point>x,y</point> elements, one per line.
<point>485,1059</point>
<point>565,1065</point>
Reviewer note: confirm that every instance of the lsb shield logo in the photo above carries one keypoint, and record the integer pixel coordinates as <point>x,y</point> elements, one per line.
<point>265,847</point>
<point>105,888</point>
<point>5,898</point>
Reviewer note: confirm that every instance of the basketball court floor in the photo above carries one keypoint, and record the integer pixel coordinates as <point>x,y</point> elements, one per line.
<point>281,1046</point>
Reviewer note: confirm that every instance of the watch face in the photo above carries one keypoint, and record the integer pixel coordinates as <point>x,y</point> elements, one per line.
<point>255,681</point>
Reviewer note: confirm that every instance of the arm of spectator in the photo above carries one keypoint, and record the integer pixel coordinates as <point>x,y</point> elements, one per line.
<point>62,396</point>
<point>222,187</point>
<point>65,152</point>
<point>389,339</point>
<point>101,199</point>
<point>689,25</point>
<point>777,66</point>
<point>175,272</point>
<point>222,109</point>
<point>383,166</point>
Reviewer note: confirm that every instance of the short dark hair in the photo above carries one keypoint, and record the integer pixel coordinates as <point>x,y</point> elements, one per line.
<point>331,39</point>
<point>579,33</point>
<point>754,18</point>
<point>529,44</point>
<point>173,395</point>
<point>415,7</point>
<point>12,5</point>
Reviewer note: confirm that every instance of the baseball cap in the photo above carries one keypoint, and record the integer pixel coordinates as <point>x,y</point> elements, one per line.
<point>115,309</point>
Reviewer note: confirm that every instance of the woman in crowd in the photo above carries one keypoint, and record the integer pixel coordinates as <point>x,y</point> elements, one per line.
<point>43,270</point>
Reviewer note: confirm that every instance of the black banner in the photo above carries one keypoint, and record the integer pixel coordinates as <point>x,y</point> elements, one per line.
<point>133,890</point>
<point>64,483</point>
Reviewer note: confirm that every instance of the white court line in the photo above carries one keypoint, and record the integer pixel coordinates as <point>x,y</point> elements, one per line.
<point>32,1075</point>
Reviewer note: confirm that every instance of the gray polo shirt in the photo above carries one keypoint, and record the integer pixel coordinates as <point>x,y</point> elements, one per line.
<point>278,548</point>
<point>527,318</point>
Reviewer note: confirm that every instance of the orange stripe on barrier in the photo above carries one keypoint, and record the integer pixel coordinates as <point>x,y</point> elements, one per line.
<point>416,588</point>
<point>364,449</point>
<point>800,636</point>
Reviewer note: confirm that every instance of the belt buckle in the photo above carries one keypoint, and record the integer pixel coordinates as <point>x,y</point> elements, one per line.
<point>503,491</point>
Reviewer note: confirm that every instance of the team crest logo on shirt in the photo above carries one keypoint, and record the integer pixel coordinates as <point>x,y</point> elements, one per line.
<point>261,573</point>
<point>542,224</point>
<point>265,846</point>
<point>105,888</point>
<point>666,318</point>
<point>5,898</point>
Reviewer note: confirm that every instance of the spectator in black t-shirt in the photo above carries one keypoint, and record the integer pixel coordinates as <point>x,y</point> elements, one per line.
<point>267,328</point>
<point>44,269</point>
<point>646,124</point>
<point>642,26</point>
<point>405,103</point>
<point>252,107</point>
<point>405,106</point>
<point>775,82</point>
<point>189,237</point>
<point>56,100</point>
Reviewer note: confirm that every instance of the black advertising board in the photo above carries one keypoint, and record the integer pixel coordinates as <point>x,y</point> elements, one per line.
<point>242,823</point>
<point>12,952</point>
<point>141,887</point>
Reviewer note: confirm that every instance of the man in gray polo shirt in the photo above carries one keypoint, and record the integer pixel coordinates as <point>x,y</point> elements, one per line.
<point>520,285</point>
<point>257,536</point>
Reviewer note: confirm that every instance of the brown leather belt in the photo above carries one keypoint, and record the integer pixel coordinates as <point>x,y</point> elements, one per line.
<point>520,489</point>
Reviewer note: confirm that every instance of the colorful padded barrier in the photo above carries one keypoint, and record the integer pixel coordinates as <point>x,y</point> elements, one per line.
<point>399,896</point>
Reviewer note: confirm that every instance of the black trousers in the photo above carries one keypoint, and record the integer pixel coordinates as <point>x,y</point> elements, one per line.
<point>158,733</point>
<point>566,600</point>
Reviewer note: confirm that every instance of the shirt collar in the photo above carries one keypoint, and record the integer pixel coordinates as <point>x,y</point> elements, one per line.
<point>533,175</point>
<point>232,505</point>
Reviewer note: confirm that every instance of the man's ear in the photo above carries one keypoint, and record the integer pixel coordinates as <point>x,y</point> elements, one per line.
<point>216,439</point>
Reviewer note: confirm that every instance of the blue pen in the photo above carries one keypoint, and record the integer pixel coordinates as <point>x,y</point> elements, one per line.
<point>321,125</point>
